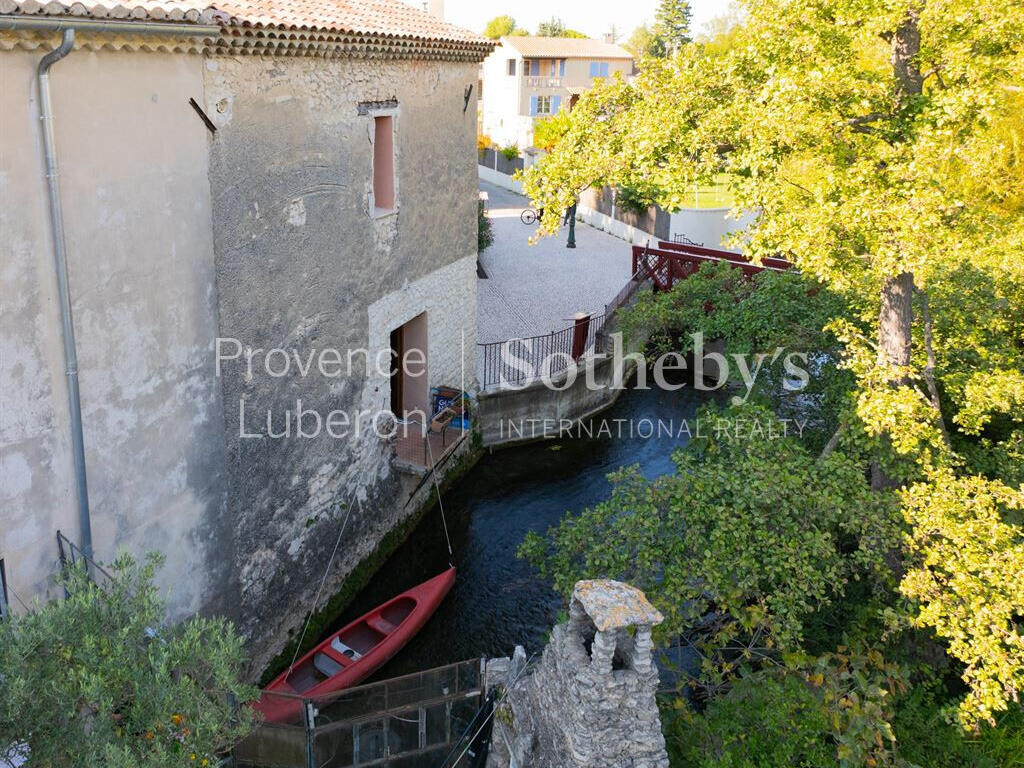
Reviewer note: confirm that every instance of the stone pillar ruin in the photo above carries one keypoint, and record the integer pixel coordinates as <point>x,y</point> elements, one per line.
<point>591,699</point>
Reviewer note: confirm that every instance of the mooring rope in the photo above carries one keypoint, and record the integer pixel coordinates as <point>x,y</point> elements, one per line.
<point>323,581</point>
<point>440,506</point>
<point>494,706</point>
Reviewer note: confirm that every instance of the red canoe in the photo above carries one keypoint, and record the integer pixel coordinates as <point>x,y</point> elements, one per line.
<point>356,651</point>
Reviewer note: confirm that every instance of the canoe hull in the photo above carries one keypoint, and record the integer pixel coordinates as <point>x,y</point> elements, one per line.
<point>378,635</point>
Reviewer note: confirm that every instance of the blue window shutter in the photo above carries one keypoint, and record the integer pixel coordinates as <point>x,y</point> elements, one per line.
<point>533,105</point>
<point>593,69</point>
<point>604,69</point>
<point>556,104</point>
<point>561,68</point>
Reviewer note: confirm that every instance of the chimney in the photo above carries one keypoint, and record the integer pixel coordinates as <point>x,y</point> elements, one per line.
<point>608,37</point>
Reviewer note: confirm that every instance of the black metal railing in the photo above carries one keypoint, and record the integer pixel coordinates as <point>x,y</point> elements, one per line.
<point>519,361</point>
<point>72,555</point>
<point>414,721</point>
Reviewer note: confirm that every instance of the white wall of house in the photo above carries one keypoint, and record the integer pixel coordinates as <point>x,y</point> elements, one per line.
<point>133,178</point>
<point>508,100</point>
<point>709,226</point>
<point>502,117</point>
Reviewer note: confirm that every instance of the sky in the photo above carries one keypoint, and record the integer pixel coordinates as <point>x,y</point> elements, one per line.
<point>592,17</point>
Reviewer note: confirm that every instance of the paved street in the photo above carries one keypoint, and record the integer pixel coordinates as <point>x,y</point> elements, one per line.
<point>535,289</point>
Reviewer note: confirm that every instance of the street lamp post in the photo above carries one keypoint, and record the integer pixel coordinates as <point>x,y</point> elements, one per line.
<point>571,215</point>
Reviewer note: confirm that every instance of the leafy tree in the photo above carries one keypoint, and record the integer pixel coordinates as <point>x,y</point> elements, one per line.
<point>880,143</point>
<point>556,28</point>
<point>767,319</point>
<point>672,24</point>
<point>99,679</point>
<point>500,26</point>
<point>643,42</point>
<point>735,530</point>
<point>720,33</point>
<point>548,132</point>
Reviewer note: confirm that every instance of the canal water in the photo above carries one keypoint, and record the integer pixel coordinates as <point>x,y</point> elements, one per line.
<point>498,600</point>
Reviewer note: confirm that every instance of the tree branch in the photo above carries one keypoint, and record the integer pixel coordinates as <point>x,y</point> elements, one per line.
<point>833,441</point>
<point>929,368</point>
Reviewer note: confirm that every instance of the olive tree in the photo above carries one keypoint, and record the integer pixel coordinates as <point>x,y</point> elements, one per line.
<point>99,678</point>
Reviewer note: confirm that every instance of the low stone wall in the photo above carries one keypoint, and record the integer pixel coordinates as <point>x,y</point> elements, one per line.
<point>499,179</point>
<point>708,226</point>
<point>537,412</point>
<point>620,229</point>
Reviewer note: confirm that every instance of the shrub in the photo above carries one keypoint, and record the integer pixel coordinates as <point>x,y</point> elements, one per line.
<point>510,153</point>
<point>100,679</point>
<point>484,230</point>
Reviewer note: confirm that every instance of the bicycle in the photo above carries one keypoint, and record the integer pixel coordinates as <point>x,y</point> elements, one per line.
<point>528,216</point>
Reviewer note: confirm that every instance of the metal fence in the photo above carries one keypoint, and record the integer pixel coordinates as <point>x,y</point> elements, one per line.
<point>406,722</point>
<point>72,555</point>
<point>519,361</point>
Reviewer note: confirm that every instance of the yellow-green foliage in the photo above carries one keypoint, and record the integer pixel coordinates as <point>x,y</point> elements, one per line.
<point>858,176</point>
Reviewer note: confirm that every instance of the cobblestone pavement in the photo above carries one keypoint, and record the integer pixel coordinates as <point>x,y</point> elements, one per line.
<point>536,289</point>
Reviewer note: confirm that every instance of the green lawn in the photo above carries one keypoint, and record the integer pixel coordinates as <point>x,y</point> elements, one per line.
<point>711,196</point>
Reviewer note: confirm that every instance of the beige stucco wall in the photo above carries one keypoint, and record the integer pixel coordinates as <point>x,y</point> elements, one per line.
<point>133,161</point>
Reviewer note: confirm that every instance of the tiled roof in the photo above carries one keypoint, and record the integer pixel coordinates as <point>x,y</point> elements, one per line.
<point>566,47</point>
<point>150,10</point>
<point>360,18</point>
<point>373,17</point>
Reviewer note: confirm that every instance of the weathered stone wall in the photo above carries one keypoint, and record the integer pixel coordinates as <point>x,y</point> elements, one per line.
<point>133,176</point>
<point>260,232</point>
<point>303,263</point>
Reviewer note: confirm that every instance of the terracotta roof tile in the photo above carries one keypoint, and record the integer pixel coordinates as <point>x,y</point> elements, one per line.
<point>566,47</point>
<point>155,10</point>
<point>387,18</point>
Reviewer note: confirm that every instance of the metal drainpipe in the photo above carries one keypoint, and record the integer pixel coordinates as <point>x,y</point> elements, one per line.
<point>67,27</point>
<point>64,294</point>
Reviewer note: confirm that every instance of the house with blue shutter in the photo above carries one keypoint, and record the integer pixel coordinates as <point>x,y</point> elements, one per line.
<point>526,79</point>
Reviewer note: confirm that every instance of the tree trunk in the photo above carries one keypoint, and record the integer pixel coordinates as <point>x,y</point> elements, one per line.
<point>906,44</point>
<point>894,327</point>
<point>894,321</point>
<point>896,314</point>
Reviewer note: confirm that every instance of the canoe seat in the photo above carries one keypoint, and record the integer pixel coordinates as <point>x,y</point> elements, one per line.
<point>381,624</point>
<point>325,665</point>
<point>344,650</point>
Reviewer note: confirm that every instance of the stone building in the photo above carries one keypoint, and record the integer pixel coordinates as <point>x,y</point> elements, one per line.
<point>591,699</point>
<point>291,185</point>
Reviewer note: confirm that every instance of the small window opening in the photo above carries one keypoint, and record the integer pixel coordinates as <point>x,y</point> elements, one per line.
<point>383,163</point>
<point>512,67</point>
